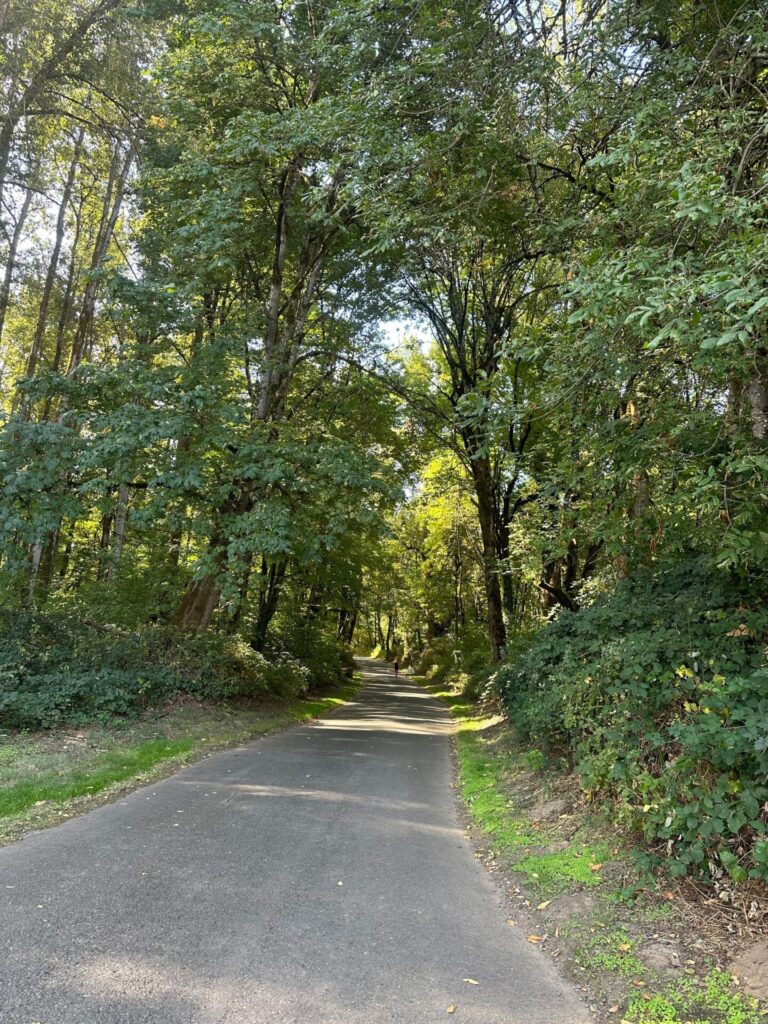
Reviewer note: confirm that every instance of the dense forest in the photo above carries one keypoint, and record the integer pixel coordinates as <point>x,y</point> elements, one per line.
<point>429,330</point>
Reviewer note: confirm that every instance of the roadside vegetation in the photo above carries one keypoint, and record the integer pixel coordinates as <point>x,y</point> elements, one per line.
<point>47,776</point>
<point>641,948</point>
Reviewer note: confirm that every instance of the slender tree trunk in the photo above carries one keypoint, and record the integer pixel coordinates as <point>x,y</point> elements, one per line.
<point>113,200</point>
<point>35,557</point>
<point>67,556</point>
<point>272,581</point>
<point>38,342</point>
<point>388,641</point>
<point>484,493</point>
<point>10,264</point>
<point>69,290</point>
<point>350,630</point>
<point>118,535</point>
<point>234,619</point>
<point>106,531</point>
<point>757,396</point>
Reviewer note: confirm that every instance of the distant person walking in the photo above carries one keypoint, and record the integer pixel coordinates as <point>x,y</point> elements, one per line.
<point>396,666</point>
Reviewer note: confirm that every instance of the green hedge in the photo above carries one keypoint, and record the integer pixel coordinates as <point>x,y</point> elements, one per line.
<point>659,695</point>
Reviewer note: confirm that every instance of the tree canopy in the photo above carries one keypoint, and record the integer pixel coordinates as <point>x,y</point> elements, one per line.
<point>209,212</point>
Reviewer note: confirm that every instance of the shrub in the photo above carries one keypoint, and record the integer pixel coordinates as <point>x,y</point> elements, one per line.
<point>462,664</point>
<point>328,660</point>
<point>659,693</point>
<point>56,669</point>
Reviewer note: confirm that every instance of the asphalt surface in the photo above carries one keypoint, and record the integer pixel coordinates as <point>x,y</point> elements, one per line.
<point>318,875</point>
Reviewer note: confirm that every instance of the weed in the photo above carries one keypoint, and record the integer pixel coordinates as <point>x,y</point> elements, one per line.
<point>555,872</point>
<point>710,1001</point>
<point>612,950</point>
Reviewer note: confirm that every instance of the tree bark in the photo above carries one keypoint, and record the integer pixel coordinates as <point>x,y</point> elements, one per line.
<point>484,493</point>
<point>757,396</point>
<point>10,264</point>
<point>38,342</point>
<point>113,200</point>
<point>118,535</point>
<point>198,604</point>
<point>272,581</point>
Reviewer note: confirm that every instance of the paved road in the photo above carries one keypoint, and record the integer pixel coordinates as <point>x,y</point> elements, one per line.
<point>318,876</point>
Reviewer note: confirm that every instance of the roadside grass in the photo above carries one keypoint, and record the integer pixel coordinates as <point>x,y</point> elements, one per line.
<point>45,777</point>
<point>711,998</point>
<point>580,890</point>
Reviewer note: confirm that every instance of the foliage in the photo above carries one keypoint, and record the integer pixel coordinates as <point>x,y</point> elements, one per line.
<point>57,670</point>
<point>211,442</point>
<point>658,692</point>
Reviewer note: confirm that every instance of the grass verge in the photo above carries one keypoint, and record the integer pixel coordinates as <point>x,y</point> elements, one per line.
<point>46,777</point>
<point>630,944</point>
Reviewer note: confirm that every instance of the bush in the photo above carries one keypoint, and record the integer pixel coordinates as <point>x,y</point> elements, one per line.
<point>327,660</point>
<point>463,665</point>
<point>55,669</point>
<point>659,693</point>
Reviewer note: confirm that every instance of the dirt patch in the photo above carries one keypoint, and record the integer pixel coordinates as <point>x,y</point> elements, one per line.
<point>661,955</point>
<point>751,968</point>
<point>549,810</point>
<point>574,905</point>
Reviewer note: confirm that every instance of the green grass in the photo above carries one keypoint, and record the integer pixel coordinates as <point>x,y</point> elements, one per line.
<point>484,776</point>
<point>552,873</point>
<point>710,1000</point>
<point>41,773</point>
<point>610,950</point>
<point>303,710</point>
<point>111,768</point>
<point>493,771</point>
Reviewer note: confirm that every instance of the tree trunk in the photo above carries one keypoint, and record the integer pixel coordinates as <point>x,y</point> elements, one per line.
<point>113,200</point>
<point>38,342</point>
<point>118,536</point>
<point>272,581</point>
<point>106,530</point>
<point>10,263</point>
<point>198,604</point>
<point>68,546</point>
<point>757,396</point>
<point>69,290</point>
<point>388,641</point>
<point>482,478</point>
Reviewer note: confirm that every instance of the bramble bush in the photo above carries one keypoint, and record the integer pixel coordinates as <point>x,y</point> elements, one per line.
<point>57,669</point>
<point>659,695</point>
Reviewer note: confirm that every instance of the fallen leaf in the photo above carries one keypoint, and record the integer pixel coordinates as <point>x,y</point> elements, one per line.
<point>595,867</point>
<point>625,947</point>
<point>544,905</point>
<point>613,1009</point>
<point>452,1008</point>
<point>471,981</point>
<point>535,938</point>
